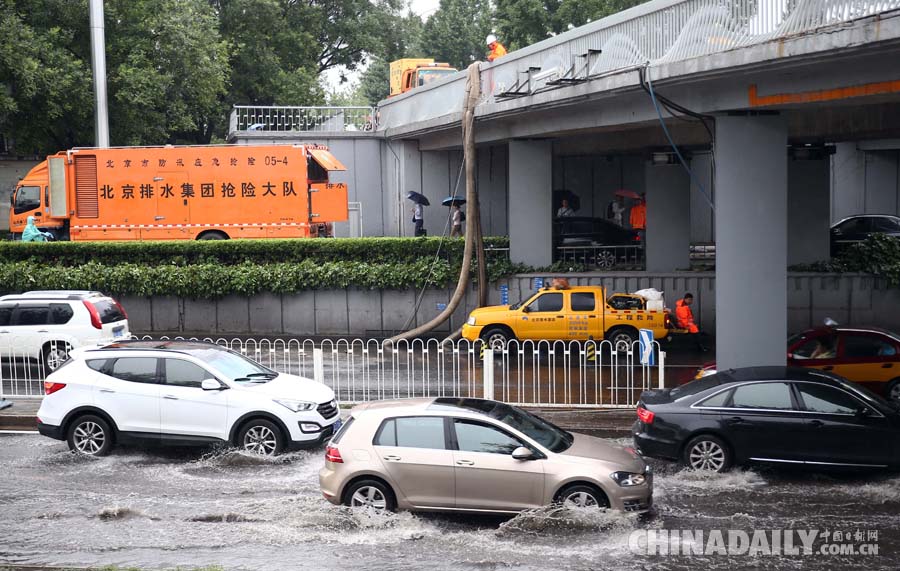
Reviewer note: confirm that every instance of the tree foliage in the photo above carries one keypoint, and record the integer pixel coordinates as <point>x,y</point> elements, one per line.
<point>455,33</point>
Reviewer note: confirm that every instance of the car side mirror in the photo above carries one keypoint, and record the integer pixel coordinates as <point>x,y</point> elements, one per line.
<point>522,453</point>
<point>212,385</point>
<point>526,309</point>
<point>863,412</point>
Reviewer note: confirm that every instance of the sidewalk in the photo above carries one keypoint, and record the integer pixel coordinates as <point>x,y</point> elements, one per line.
<point>610,423</point>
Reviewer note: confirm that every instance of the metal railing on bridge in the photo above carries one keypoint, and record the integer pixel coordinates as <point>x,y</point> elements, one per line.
<point>653,33</point>
<point>282,118</point>
<point>538,373</point>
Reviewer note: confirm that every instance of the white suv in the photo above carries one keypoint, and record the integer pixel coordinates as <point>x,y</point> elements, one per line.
<point>46,325</point>
<point>182,392</point>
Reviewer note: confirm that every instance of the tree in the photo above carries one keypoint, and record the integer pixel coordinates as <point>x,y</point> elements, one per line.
<point>455,33</point>
<point>401,40</point>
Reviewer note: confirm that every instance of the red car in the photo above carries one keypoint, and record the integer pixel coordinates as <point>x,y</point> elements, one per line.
<point>866,355</point>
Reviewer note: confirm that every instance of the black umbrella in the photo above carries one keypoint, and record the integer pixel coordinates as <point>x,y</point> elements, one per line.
<point>454,201</point>
<point>418,198</point>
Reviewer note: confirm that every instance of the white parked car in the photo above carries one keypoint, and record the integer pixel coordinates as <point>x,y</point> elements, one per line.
<point>46,325</point>
<point>181,392</point>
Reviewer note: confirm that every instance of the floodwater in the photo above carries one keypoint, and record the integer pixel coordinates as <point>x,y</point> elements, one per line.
<point>191,507</point>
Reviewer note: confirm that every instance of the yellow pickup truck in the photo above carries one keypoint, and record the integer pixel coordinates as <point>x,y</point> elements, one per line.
<point>575,313</point>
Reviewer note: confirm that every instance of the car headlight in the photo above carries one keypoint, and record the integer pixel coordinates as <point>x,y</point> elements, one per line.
<point>471,320</point>
<point>627,479</point>
<point>295,405</point>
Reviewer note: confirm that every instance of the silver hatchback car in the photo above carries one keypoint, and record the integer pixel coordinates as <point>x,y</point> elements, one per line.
<point>453,454</point>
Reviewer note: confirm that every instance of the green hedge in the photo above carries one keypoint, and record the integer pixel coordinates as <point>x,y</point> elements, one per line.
<point>232,252</point>
<point>210,281</point>
<point>878,255</point>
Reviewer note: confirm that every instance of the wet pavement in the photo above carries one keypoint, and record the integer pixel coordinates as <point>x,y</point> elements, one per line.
<point>193,507</point>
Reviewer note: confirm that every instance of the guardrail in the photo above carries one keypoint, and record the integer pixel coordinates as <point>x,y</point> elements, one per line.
<point>286,118</point>
<point>603,257</point>
<point>538,373</point>
<point>653,33</point>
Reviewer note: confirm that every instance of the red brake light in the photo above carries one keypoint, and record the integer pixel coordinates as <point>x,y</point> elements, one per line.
<point>645,415</point>
<point>332,454</point>
<point>51,387</point>
<point>95,315</point>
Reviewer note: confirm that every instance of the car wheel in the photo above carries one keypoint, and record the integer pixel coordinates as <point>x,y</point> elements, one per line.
<point>54,355</point>
<point>261,437</point>
<point>606,260</point>
<point>893,390</point>
<point>496,338</point>
<point>90,435</point>
<point>622,338</point>
<point>582,496</point>
<point>370,494</point>
<point>707,452</point>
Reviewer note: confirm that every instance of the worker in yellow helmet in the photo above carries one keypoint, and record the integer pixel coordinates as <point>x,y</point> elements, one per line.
<point>497,49</point>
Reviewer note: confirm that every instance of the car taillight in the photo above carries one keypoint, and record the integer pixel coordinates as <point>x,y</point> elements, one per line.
<point>121,309</point>
<point>51,387</point>
<point>95,315</point>
<point>332,454</point>
<point>645,415</point>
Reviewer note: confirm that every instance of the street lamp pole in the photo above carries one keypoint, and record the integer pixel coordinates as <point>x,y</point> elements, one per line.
<point>98,64</point>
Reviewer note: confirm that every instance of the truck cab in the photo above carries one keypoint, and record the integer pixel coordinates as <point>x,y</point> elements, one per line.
<point>409,73</point>
<point>579,313</point>
<point>31,197</point>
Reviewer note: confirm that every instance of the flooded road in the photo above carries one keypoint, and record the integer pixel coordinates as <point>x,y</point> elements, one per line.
<point>190,507</point>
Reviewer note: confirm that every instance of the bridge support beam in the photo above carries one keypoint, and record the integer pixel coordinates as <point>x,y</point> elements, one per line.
<point>668,245</point>
<point>751,240</point>
<point>530,202</point>
<point>809,210</point>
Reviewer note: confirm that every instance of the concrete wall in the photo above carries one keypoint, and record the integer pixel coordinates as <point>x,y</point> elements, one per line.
<point>865,179</point>
<point>11,171</point>
<point>851,300</point>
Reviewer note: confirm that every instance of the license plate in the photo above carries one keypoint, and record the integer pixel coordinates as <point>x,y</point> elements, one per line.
<point>118,331</point>
<point>336,426</point>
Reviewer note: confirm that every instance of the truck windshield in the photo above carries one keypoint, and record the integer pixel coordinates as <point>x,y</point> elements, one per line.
<point>27,198</point>
<point>426,76</point>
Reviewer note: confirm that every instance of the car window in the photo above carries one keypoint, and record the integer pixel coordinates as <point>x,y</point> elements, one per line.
<point>718,399</point>
<point>342,431</point>
<point>827,400</point>
<point>108,310</point>
<point>5,314</point>
<point>775,396</point>
<point>856,226</point>
<point>181,373</point>
<point>886,224</point>
<point>583,302</point>
<point>30,315</point>
<point>547,302</point>
<point>474,436</point>
<point>134,369</point>
<point>863,346</point>
<point>96,364</point>
<point>413,432</point>
<point>819,347</point>
<point>60,313</point>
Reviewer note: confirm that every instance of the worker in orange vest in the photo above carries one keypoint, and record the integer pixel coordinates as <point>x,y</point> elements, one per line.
<point>497,49</point>
<point>638,218</point>
<point>685,318</point>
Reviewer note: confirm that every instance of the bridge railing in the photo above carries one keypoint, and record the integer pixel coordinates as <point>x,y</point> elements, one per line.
<point>657,32</point>
<point>286,118</point>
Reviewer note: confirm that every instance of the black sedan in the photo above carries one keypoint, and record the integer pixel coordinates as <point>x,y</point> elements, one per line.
<point>856,229</point>
<point>773,415</point>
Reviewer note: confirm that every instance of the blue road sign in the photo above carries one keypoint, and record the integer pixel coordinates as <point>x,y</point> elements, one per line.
<point>648,356</point>
<point>538,283</point>
<point>504,295</point>
<point>441,306</point>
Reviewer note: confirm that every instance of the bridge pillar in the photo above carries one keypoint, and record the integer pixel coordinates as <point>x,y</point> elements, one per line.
<point>809,210</point>
<point>531,202</point>
<point>668,236</point>
<point>751,240</point>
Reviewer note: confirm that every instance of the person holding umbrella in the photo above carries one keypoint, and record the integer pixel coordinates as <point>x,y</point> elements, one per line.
<point>418,211</point>
<point>455,221</point>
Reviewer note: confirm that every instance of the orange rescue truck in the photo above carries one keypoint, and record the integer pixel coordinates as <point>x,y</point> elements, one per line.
<point>182,193</point>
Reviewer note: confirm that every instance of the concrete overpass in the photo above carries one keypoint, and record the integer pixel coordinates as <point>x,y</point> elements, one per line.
<point>791,103</point>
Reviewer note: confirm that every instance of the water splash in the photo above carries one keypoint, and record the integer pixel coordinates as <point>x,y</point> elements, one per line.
<point>567,520</point>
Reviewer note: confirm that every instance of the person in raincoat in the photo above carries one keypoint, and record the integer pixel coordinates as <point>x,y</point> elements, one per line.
<point>32,234</point>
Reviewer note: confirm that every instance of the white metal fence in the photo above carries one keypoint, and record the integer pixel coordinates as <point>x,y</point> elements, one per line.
<point>286,118</point>
<point>550,374</point>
